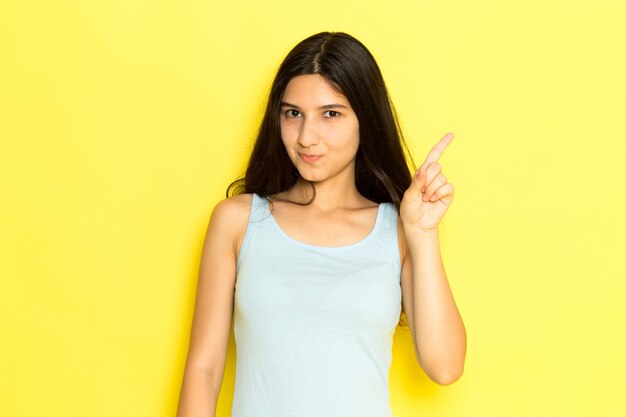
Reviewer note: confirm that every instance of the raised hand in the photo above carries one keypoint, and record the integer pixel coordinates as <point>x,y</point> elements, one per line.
<point>430,194</point>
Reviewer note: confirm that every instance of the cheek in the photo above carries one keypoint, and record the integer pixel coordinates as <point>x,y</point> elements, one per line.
<point>357,139</point>
<point>288,133</point>
<point>345,138</point>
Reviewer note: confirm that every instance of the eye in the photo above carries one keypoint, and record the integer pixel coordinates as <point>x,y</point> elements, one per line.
<point>289,113</point>
<point>333,114</point>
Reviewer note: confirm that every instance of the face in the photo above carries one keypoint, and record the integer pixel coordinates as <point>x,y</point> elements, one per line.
<point>318,122</point>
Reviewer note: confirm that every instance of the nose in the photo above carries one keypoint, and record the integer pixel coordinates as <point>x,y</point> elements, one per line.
<point>307,136</point>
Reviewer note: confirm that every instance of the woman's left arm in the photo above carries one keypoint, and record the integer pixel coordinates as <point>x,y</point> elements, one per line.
<point>436,325</point>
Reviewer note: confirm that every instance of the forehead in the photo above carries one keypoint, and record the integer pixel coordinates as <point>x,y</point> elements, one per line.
<point>313,89</point>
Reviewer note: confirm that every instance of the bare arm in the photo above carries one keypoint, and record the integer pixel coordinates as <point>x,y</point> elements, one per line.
<point>437,329</point>
<point>436,326</point>
<point>210,331</point>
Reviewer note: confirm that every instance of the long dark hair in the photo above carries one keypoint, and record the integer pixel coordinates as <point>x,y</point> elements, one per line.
<point>381,170</point>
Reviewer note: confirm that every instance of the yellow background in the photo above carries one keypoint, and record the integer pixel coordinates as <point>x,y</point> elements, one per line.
<point>122,122</point>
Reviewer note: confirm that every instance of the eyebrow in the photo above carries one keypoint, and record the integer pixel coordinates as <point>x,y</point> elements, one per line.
<point>326,106</point>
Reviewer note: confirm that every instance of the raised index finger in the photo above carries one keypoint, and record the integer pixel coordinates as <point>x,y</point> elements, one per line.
<point>438,149</point>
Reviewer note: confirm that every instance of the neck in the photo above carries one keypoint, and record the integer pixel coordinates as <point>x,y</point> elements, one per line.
<point>330,194</point>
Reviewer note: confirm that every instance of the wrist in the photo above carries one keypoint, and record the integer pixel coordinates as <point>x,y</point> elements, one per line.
<point>419,232</point>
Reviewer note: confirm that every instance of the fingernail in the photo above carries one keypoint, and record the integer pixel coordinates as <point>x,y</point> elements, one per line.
<point>433,197</point>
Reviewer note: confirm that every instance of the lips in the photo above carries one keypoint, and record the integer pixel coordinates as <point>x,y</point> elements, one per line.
<point>309,157</point>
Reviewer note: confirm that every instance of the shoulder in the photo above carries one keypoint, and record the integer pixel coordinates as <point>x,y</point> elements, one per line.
<point>232,212</point>
<point>230,217</point>
<point>233,206</point>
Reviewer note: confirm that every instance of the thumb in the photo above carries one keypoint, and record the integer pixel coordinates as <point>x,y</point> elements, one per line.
<point>417,183</point>
<point>420,180</point>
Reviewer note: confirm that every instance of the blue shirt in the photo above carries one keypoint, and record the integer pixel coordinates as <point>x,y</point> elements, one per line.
<point>314,325</point>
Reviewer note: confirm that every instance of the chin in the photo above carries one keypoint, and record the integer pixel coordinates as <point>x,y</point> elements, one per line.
<point>310,176</point>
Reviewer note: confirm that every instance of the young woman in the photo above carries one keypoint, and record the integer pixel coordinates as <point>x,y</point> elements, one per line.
<point>326,240</point>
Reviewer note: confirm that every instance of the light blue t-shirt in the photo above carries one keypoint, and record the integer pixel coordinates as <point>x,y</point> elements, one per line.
<point>314,325</point>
